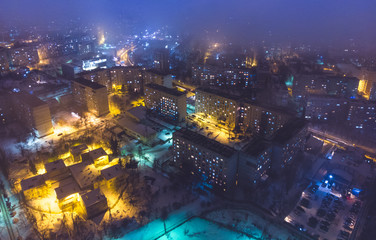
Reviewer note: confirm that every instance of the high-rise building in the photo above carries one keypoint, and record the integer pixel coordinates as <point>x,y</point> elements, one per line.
<point>262,120</point>
<point>323,108</point>
<point>328,85</point>
<point>361,117</point>
<point>213,163</point>
<point>34,113</point>
<point>92,96</point>
<point>166,102</point>
<point>222,108</point>
<point>24,56</point>
<point>4,61</point>
<point>235,78</point>
<point>254,162</point>
<point>233,111</point>
<point>288,142</point>
<point>128,78</point>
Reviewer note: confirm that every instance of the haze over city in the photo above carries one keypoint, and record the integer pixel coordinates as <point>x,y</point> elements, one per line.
<point>197,119</point>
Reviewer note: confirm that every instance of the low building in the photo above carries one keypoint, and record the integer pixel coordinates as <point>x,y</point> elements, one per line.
<point>98,156</point>
<point>113,177</point>
<point>34,187</point>
<point>166,102</point>
<point>94,203</point>
<point>76,151</point>
<point>85,174</point>
<point>68,195</point>
<point>138,131</point>
<point>254,162</point>
<point>138,114</point>
<point>288,142</point>
<point>213,163</point>
<point>56,170</point>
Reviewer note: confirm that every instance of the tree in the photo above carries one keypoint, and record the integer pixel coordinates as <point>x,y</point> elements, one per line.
<point>164,215</point>
<point>114,144</point>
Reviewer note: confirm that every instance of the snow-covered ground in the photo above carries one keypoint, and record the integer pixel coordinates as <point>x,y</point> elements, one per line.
<point>201,229</point>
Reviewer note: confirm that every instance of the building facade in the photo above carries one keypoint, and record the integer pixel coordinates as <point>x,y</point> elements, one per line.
<point>213,163</point>
<point>91,96</point>
<point>166,102</point>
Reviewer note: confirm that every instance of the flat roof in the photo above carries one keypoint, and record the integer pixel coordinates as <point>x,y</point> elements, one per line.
<point>112,172</point>
<point>67,187</point>
<point>94,154</point>
<point>32,182</point>
<point>218,92</point>
<point>84,173</point>
<point>205,142</point>
<point>52,166</point>
<point>289,130</point>
<point>87,83</point>
<point>255,147</point>
<point>76,150</point>
<point>92,197</point>
<point>138,128</point>
<point>164,89</point>
<point>139,112</point>
<point>29,99</point>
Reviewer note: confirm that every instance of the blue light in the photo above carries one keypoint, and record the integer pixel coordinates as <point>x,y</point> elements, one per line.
<point>326,181</point>
<point>331,176</point>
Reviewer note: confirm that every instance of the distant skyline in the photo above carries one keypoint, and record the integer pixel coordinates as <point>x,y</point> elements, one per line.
<point>317,21</point>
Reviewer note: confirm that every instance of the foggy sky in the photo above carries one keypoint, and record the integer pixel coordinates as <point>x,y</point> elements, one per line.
<point>301,20</point>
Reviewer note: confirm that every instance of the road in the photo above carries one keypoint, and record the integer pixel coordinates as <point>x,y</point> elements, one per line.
<point>340,140</point>
<point>6,217</point>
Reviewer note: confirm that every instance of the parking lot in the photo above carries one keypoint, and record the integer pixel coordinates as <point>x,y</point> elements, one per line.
<point>325,214</point>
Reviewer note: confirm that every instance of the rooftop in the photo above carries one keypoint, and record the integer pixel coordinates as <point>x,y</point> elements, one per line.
<point>52,166</point>
<point>289,130</point>
<point>29,99</point>
<point>255,147</point>
<point>92,155</point>
<point>138,112</point>
<point>138,128</point>
<point>32,182</point>
<point>167,90</point>
<point>220,93</point>
<point>205,142</point>
<point>87,83</point>
<point>93,197</point>
<point>76,150</point>
<point>84,173</point>
<point>66,188</point>
<point>112,172</point>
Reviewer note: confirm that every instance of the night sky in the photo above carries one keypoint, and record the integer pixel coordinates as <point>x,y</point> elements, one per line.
<point>300,20</point>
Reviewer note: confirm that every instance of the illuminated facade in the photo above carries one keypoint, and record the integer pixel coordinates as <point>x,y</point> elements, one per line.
<point>117,77</point>
<point>24,56</point>
<point>34,187</point>
<point>262,120</point>
<point>166,102</point>
<point>222,108</point>
<point>254,162</point>
<point>232,111</point>
<point>212,162</point>
<point>328,85</point>
<point>94,203</point>
<point>34,112</point>
<point>288,142</point>
<point>92,96</point>
<point>361,117</point>
<point>323,108</point>
<point>4,61</point>
<point>236,78</point>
